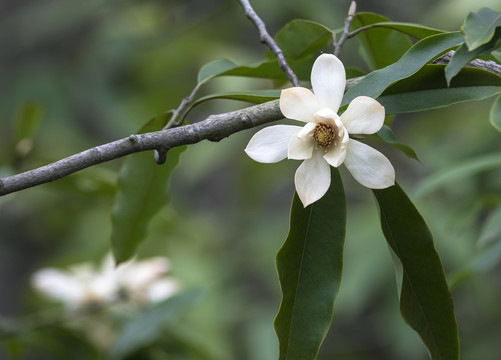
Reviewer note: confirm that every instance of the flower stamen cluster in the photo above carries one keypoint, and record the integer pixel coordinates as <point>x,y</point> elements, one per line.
<point>324,135</point>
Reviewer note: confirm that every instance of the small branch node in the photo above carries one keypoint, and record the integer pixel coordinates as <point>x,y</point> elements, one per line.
<point>160,155</point>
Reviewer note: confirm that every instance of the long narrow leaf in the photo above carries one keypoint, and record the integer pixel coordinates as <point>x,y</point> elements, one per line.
<point>379,46</point>
<point>479,27</point>
<point>463,56</point>
<point>428,89</point>
<point>309,267</point>
<point>415,30</point>
<point>142,192</point>
<point>425,301</point>
<point>414,59</point>
<point>495,114</point>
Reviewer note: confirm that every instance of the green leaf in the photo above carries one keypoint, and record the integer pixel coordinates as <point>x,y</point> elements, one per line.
<point>148,326</point>
<point>414,59</point>
<point>428,89</point>
<point>386,134</point>
<point>264,69</point>
<point>497,55</point>
<point>213,69</point>
<point>463,56</point>
<point>415,30</point>
<point>309,266</point>
<point>495,114</point>
<point>252,96</point>
<point>379,46</point>
<point>142,192</point>
<point>425,301</point>
<point>479,27</point>
<point>299,38</point>
<point>453,174</point>
<point>27,121</point>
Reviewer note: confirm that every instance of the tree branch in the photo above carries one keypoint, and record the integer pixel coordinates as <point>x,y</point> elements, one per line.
<point>213,128</point>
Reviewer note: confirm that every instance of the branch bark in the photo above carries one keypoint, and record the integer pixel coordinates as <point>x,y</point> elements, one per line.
<point>213,128</point>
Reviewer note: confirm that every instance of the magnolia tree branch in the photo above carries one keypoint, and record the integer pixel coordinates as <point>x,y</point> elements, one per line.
<point>213,128</point>
<point>268,40</point>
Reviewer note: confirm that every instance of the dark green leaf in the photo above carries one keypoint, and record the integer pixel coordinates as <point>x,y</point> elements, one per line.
<point>414,59</point>
<point>147,327</point>
<point>27,121</point>
<point>425,301</point>
<point>428,89</point>
<point>479,27</point>
<point>142,192</point>
<point>463,56</point>
<point>415,30</point>
<point>214,68</point>
<point>309,267</point>
<point>379,46</point>
<point>265,69</point>
<point>299,38</point>
<point>386,134</point>
<point>495,114</point>
<point>252,96</point>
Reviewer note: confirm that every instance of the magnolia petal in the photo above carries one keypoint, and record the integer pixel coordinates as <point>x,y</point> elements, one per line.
<point>306,130</point>
<point>336,155</point>
<point>363,116</point>
<point>328,80</point>
<point>300,148</point>
<point>270,144</point>
<point>312,178</point>
<point>298,103</point>
<point>58,285</point>
<point>368,166</point>
<point>326,115</point>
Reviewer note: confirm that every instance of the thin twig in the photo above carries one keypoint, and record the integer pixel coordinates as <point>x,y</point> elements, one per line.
<point>160,154</point>
<point>359,30</point>
<point>175,119</point>
<point>268,40</point>
<point>338,44</point>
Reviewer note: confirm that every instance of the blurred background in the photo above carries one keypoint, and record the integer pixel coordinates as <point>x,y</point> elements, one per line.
<point>88,72</point>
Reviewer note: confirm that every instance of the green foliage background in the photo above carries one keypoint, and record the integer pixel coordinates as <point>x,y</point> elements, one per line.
<point>77,74</point>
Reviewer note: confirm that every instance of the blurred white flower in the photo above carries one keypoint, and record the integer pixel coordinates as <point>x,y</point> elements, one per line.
<point>83,285</point>
<point>324,140</point>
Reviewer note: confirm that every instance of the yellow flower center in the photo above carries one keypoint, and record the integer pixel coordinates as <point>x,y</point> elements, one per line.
<point>323,135</point>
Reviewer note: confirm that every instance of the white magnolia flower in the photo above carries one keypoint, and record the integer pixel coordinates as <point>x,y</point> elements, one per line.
<point>325,139</point>
<point>83,285</point>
